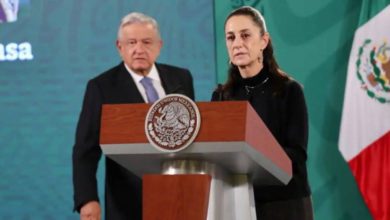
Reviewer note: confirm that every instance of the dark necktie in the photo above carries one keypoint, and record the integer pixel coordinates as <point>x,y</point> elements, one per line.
<point>151,92</point>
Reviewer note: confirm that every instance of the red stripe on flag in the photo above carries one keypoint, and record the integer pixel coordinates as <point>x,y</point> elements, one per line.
<point>371,169</point>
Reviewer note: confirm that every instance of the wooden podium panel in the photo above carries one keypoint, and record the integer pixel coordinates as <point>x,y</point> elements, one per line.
<point>226,121</point>
<point>175,197</point>
<point>222,122</point>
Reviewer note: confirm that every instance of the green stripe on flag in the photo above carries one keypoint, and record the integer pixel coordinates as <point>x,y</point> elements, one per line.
<point>370,8</point>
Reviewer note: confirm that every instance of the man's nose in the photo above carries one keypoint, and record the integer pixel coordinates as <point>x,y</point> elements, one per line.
<point>139,47</point>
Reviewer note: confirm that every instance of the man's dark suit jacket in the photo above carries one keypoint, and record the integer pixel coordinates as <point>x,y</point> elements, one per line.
<point>123,190</point>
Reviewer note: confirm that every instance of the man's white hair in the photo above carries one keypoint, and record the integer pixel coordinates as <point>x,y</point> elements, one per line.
<point>137,17</point>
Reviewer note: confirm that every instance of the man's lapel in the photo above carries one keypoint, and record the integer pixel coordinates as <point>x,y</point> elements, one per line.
<point>169,83</point>
<point>127,87</point>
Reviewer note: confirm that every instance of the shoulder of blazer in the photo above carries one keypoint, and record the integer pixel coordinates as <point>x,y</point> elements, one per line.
<point>111,73</point>
<point>165,68</point>
<point>115,76</point>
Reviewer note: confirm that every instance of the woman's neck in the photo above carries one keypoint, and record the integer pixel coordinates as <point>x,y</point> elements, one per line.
<point>250,70</point>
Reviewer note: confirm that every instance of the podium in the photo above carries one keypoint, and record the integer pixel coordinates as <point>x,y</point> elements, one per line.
<point>213,177</point>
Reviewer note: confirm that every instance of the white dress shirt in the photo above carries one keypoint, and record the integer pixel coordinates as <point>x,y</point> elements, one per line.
<point>153,74</point>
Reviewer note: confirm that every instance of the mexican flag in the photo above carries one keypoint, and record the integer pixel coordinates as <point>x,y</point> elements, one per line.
<point>364,139</point>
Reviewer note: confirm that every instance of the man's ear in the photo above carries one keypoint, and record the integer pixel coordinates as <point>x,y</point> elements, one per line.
<point>161,44</point>
<point>118,45</point>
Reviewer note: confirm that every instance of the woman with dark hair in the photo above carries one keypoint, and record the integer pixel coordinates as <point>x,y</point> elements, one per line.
<point>255,76</point>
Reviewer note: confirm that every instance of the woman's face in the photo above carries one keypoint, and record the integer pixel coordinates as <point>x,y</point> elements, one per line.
<point>244,42</point>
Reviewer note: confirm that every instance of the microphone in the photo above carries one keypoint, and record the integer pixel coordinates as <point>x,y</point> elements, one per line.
<point>220,92</point>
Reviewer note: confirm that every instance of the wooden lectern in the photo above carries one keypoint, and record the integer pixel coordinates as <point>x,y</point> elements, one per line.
<point>211,179</point>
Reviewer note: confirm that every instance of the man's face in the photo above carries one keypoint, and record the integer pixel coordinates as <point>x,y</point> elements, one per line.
<point>139,46</point>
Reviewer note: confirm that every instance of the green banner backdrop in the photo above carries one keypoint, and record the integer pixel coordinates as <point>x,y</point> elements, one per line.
<point>46,57</point>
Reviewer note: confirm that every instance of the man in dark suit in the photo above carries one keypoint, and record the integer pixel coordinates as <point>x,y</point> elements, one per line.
<point>139,45</point>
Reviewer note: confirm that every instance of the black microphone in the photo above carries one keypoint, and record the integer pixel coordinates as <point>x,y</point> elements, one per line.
<point>220,92</point>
